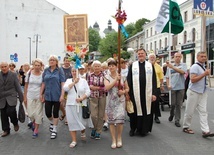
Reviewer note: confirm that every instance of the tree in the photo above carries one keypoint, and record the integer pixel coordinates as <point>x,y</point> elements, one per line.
<point>94,40</point>
<point>134,28</point>
<point>125,55</point>
<point>139,23</point>
<point>108,45</point>
<point>130,28</point>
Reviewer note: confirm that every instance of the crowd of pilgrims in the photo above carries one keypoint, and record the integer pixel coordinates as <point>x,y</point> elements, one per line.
<point>63,90</point>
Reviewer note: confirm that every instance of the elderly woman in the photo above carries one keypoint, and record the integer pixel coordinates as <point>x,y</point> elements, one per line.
<point>51,92</point>
<point>78,91</point>
<point>115,107</point>
<point>33,82</point>
<point>97,98</point>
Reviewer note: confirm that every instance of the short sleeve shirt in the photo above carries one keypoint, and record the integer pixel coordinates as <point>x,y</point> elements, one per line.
<point>200,86</point>
<point>177,79</point>
<point>52,81</point>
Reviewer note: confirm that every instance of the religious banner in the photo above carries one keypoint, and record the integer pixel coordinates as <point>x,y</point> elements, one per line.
<point>76,29</point>
<point>203,7</point>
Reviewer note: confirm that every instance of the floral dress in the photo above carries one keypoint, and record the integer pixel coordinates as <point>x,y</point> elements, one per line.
<point>115,105</point>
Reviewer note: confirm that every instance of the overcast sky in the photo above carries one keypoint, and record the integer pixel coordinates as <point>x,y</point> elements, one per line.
<point>100,11</point>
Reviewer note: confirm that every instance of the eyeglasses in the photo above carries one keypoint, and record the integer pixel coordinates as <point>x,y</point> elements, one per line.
<point>52,60</point>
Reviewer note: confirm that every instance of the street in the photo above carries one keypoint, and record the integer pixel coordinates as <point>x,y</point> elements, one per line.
<point>165,139</point>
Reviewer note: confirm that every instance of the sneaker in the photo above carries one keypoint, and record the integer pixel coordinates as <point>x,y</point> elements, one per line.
<point>35,135</point>
<point>51,127</point>
<point>170,118</point>
<point>30,125</point>
<point>177,124</point>
<point>105,126</point>
<point>93,132</point>
<point>157,120</point>
<point>97,136</point>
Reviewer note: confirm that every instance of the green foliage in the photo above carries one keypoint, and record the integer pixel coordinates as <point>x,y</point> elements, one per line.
<point>130,28</point>
<point>134,28</point>
<point>125,55</point>
<point>94,40</point>
<point>108,45</point>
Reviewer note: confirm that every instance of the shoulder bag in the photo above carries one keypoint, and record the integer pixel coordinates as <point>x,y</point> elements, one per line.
<point>85,109</point>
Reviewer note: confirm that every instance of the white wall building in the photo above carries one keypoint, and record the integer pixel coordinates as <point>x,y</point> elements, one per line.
<point>188,41</point>
<point>30,24</point>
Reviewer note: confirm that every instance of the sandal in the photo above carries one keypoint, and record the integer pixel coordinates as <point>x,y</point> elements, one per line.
<point>61,117</point>
<point>83,136</point>
<point>187,130</point>
<point>73,144</point>
<point>53,135</point>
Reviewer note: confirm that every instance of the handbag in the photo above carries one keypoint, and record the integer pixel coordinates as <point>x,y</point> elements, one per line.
<point>129,107</point>
<point>85,109</point>
<point>21,113</point>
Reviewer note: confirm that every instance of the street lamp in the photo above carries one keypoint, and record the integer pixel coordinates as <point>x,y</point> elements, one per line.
<point>37,38</point>
<point>29,50</point>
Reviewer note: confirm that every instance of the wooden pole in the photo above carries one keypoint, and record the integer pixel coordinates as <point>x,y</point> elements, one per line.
<point>119,45</point>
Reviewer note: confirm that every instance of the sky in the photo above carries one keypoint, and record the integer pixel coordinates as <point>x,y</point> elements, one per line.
<point>100,11</point>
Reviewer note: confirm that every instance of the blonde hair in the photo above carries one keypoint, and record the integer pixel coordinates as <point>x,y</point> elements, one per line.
<point>38,61</point>
<point>104,64</point>
<point>55,58</point>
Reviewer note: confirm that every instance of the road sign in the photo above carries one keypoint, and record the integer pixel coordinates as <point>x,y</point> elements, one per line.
<point>11,57</point>
<point>203,7</point>
<point>15,59</point>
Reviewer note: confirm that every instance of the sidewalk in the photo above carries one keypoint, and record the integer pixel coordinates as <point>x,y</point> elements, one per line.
<point>165,139</point>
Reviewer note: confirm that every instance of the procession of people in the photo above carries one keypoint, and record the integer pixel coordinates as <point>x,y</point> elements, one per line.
<point>106,92</point>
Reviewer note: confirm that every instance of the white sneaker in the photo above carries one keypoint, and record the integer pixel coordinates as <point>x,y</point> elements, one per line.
<point>105,126</point>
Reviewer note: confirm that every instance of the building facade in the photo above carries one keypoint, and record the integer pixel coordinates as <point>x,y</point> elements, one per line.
<point>189,41</point>
<point>30,29</point>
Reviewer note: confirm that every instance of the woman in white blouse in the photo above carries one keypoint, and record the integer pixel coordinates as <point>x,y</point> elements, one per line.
<point>75,99</point>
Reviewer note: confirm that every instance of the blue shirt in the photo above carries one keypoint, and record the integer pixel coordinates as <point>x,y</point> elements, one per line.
<point>200,86</point>
<point>177,79</point>
<point>52,81</point>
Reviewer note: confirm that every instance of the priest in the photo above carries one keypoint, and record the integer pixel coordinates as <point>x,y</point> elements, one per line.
<point>142,83</point>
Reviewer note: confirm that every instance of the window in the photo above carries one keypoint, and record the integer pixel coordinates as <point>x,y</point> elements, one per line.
<point>193,16</point>
<point>160,44</point>
<point>150,46</point>
<point>146,47</point>
<point>166,42</point>
<point>147,33</point>
<point>16,35</point>
<point>155,44</point>
<point>185,37</point>
<point>185,16</point>
<point>193,35</point>
<point>151,31</point>
<point>16,18</point>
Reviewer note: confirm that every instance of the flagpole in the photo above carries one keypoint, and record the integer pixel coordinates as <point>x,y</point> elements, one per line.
<point>203,41</point>
<point>169,36</point>
<point>119,44</point>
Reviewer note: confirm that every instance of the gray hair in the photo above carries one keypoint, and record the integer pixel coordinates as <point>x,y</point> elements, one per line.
<point>96,62</point>
<point>151,54</point>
